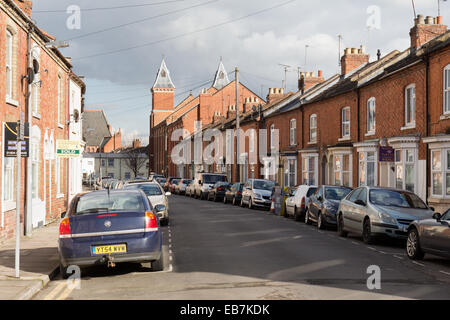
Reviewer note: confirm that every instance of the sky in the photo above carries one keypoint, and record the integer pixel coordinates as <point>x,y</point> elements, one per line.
<point>119,50</point>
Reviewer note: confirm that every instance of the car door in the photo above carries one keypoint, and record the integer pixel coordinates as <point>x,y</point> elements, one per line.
<point>315,203</point>
<point>349,208</point>
<point>360,209</point>
<point>436,234</point>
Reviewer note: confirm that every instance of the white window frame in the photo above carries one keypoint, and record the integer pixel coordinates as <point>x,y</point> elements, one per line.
<point>371,109</point>
<point>9,64</point>
<point>446,92</point>
<point>345,123</point>
<point>364,160</point>
<point>306,169</point>
<point>410,106</point>
<point>403,163</point>
<point>340,156</point>
<point>60,93</point>
<point>35,173</point>
<point>290,162</point>
<point>313,128</point>
<point>293,132</point>
<point>443,171</point>
<point>272,133</point>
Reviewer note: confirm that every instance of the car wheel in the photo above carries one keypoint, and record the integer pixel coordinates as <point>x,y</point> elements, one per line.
<point>215,198</point>
<point>242,202</point>
<point>225,199</point>
<point>413,249</point>
<point>158,265</point>
<point>307,221</point>
<point>340,226</point>
<point>320,222</point>
<point>367,232</point>
<point>250,204</point>
<point>63,272</point>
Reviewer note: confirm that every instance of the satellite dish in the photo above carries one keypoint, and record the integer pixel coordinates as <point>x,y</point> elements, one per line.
<point>76,115</point>
<point>35,66</point>
<point>30,75</point>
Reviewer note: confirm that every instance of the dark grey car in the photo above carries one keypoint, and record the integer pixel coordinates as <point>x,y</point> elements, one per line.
<point>429,236</point>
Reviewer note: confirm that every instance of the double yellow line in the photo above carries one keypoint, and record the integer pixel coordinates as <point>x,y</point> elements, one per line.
<point>59,292</point>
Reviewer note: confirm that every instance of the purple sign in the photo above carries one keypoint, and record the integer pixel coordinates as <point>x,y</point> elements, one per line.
<point>386,154</point>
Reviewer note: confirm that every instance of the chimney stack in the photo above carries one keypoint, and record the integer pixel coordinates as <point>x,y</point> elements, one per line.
<point>275,94</point>
<point>426,29</point>
<point>309,79</point>
<point>353,58</point>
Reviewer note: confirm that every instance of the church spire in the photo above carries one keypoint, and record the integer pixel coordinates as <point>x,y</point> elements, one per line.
<point>163,80</point>
<point>221,78</point>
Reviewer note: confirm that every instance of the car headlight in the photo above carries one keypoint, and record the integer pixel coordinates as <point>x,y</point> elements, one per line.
<point>330,208</point>
<point>258,196</point>
<point>386,218</point>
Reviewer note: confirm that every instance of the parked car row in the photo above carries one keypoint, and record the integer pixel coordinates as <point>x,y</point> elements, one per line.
<point>372,212</point>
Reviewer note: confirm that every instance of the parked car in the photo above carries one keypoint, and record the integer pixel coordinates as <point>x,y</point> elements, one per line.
<point>157,197</point>
<point>376,211</point>
<point>154,176</point>
<point>161,181</point>
<point>106,227</point>
<point>173,184</point>
<point>190,189</point>
<point>217,192</point>
<point>323,205</point>
<point>429,236</point>
<point>234,194</point>
<point>205,181</point>
<point>137,180</point>
<point>257,193</point>
<point>180,188</point>
<point>168,182</point>
<point>296,204</point>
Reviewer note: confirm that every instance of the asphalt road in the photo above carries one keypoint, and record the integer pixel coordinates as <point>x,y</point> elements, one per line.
<point>217,251</point>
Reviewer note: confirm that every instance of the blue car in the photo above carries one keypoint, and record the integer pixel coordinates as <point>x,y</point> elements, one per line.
<point>110,226</point>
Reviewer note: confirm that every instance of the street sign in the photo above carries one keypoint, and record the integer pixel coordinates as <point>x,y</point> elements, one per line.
<point>11,137</point>
<point>68,148</point>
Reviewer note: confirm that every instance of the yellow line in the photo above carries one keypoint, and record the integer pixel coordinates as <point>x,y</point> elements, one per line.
<point>55,291</point>
<point>65,293</point>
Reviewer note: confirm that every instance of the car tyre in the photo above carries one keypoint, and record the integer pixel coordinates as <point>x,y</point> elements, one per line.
<point>320,222</point>
<point>297,216</point>
<point>307,221</point>
<point>158,265</point>
<point>367,232</point>
<point>340,227</point>
<point>250,204</point>
<point>63,271</point>
<point>413,249</point>
<point>225,199</point>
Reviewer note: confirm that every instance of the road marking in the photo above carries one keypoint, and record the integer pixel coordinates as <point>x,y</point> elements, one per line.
<point>419,264</point>
<point>170,258</point>
<point>356,243</point>
<point>298,237</point>
<point>372,248</point>
<point>55,291</point>
<point>65,293</point>
<point>398,257</point>
<point>447,273</point>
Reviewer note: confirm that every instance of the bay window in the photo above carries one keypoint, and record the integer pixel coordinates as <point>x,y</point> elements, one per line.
<point>309,170</point>
<point>405,161</point>
<point>342,169</point>
<point>440,172</point>
<point>367,168</point>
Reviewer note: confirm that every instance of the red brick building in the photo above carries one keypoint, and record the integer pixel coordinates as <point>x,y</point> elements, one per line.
<point>52,91</point>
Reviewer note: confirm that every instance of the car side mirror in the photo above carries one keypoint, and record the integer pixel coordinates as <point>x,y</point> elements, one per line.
<point>437,216</point>
<point>432,209</point>
<point>320,198</point>
<point>360,203</point>
<point>168,194</point>
<point>200,183</point>
<point>63,214</point>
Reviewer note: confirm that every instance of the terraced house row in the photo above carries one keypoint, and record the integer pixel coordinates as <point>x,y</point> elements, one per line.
<point>382,122</point>
<point>51,105</point>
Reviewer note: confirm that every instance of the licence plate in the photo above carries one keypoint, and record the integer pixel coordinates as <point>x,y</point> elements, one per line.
<point>119,248</point>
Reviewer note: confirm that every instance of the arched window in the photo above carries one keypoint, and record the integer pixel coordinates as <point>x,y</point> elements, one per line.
<point>447,89</point>
<point>345,122</point>
<point>313,128</point>
<point>410,105</point>
<point>371,116</point>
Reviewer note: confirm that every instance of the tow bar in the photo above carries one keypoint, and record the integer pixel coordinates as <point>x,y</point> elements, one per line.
<point>110,260</point>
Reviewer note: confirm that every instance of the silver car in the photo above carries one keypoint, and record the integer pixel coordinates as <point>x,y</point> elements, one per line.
<point>257,193</point>
<point>375,211</point>
<point>429,236</point>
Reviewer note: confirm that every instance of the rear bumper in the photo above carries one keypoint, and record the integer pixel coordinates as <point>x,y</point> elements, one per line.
<point>139,249</point>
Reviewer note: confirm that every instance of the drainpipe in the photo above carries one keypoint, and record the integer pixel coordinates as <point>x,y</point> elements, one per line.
<point>28,213</point>
<point>358,111</point>
<point>68,138</point>
<point>427,121</point>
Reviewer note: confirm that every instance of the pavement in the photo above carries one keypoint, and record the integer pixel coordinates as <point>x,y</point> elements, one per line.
<point>39,263</point>
<point>217,251</point>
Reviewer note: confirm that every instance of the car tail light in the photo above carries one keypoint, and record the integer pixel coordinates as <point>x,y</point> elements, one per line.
<point>107,215</point>
<point>64,227</point>
<point>150,221</point>
<point>219,189</point>
<point>303,203</point>
<point>238,192</point>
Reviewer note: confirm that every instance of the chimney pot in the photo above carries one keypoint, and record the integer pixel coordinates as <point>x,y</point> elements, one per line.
<point>281,91</point>
<point>429,20</point>
<point>439,20</point>
<point>320,73</point>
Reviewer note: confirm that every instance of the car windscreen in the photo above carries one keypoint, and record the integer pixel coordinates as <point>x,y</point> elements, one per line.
<point>336,193</point>
<point>112,202</point>
<point>149,189</point>
<point>212,179</point>
<point>393,198</point>
<point>311,192</point>
<point>175,181</point>
<point>263,185</point>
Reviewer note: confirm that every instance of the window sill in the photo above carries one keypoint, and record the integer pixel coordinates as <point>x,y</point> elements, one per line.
<point>9,205</point>
<point>370,133</point>
<point>37,116</point>
<point>445,116</point>
<point>312,142</point>
<point>60,195</point>
<point>60,126</point>
<point>344,139</point>
<point>408,127</point>
<point>12,102</point>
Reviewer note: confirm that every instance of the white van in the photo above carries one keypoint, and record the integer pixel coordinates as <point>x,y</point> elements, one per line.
<point>205,181</point>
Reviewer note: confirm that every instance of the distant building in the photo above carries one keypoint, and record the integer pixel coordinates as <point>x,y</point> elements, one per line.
<point>98,134</point>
